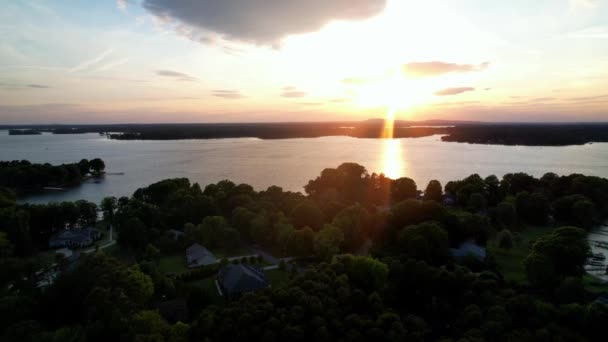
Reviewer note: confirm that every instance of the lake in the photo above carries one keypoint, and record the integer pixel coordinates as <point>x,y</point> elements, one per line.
<point>288,163</point>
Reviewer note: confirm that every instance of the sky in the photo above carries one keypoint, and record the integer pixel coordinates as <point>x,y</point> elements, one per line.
<point>144,61</point>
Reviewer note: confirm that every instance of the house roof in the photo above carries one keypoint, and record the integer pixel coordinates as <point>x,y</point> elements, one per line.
<point>75,235</point>
<point>237,279</point>
<point>175,232</point>
<point>469,248</point>
<point>197,255</point>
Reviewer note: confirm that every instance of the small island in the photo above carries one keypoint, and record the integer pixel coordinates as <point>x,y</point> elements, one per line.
<point>24,132</point>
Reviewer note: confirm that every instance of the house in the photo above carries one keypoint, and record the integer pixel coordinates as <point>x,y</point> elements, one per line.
<point>74,238</point>
<point>197,255</point>
<point>468,249</point>
<point>234,280</point>
<point>175,234</point>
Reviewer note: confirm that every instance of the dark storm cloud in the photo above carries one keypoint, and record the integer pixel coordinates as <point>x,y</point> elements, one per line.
<point>453,91</point>
<point>424,69</point>
<point>262,22</point>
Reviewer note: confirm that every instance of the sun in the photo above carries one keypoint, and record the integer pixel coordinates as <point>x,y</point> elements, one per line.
<point>391,90</point>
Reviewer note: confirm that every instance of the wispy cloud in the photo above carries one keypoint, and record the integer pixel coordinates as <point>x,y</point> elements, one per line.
<point>113,64</point>
<point>435,68</point>
<point>39,86</point>
<point>597,32</point>
<point>453,91</point>
<point>122,5</point>
<point>354,80</point>
<point>178,76</point>
<point>228,94</point>
<point>91,62</point>
<point>293,93</point>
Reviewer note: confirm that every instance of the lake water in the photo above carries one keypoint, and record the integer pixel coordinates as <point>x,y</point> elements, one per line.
<point>288,163</point>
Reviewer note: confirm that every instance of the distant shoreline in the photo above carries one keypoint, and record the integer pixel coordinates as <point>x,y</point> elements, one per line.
<point>525,134</point>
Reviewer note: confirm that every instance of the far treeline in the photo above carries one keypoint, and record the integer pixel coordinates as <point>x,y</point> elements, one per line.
<point>404,285</point>
<point>533,134</point>
<point>23,176</point>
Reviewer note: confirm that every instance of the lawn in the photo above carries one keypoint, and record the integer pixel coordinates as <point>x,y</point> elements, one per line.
<point>277,277</point>
<point>510,262</point>
<point>208,285</point>
<point>172,264</point>
<point>594,285</point>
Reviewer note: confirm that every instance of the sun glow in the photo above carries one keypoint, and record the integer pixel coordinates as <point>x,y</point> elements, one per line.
<point>392,147</point>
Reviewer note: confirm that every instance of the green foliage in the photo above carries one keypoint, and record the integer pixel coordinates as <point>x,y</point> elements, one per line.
<point>402,189</point>
<point>425,241</point>
<point>328,241</point>
<point>556,256</point>
<point>433,191</point>
<point>307,214</point>
<point>505,239</point>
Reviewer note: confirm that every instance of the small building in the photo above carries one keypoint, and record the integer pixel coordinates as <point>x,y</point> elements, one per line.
<point>74,238</point>
<point>175,234</point>
<point>468,249</point>
<point>234,280</point>
<point>197,256</point>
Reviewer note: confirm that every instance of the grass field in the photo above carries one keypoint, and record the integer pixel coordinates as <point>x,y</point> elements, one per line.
<point>277,277</point>
<point>172,264</point>
<point>208,285</point>
<point>510,262</point>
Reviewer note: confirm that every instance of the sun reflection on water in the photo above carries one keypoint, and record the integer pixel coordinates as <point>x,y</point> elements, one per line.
<point>392,147</point>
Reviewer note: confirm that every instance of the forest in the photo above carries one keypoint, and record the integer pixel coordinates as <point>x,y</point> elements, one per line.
<point>371,258</point>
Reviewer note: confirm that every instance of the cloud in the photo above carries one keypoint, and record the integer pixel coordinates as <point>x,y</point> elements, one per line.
<point>263,22</point>
<point>289,88</point>
<point>453,91</point>
<point>597,32</point>
<point>293,93</point>
<point>354,80</point>
<point>588,98</point>
<point>122,5</point>
<point>91,62</point>
<point>113,64</point>
<point>17,86</point>
<point>228,94</point>
<point>425,69</point>
<point>179,76</point>
<point>583,4</point>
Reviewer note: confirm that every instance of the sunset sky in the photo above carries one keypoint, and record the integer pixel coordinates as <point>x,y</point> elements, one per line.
<point>314,60</point>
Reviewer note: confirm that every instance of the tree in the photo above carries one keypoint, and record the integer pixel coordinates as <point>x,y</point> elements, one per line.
<point>308,214</point>
<point>533,208</point>
<point>327,241</point>
<point>301,242</point>
<point>97,165</point>
<point>84,166</point>
<point>354,222</point>
<point>426,241</point>
<point>109,206</point>
<point>557,255</point>
<point>506,215</point>
<point>402,189</point>
<point>505,239</point>
<point>433,191</point>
